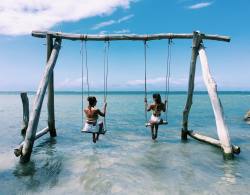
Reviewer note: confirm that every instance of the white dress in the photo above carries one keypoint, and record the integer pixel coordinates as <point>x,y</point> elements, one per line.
<point>95,128</point>
<point>155,119</point>
<point>156,116</point>
<point>91,127</point>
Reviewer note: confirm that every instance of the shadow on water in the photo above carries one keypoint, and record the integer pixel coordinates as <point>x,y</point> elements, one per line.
<point>43,170</point>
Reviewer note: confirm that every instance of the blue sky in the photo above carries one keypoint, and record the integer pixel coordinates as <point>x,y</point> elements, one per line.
<point>23,56</point>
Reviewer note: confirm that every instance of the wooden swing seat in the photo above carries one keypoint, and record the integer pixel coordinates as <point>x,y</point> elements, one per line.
<point>161,123</point>
<point>99,132</point>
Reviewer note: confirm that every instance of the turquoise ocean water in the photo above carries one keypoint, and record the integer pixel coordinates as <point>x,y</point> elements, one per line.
<point>126,160</point>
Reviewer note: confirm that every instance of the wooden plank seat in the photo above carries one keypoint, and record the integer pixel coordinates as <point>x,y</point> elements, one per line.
<point>100,132</point>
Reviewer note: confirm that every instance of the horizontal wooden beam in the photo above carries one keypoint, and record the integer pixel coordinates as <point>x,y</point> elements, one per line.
<point>119,37</point>
<point>204,138</point>
<point>18,150</point>
<point>210,140</point>
<point>42,132</point>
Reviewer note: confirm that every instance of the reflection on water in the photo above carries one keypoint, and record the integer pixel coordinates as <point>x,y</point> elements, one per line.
<point>230,172</point>
<point>43,171</point>
<point>125,160</point>
<point>25,169</point>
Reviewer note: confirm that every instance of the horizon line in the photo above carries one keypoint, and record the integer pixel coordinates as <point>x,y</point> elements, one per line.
<point>120,91</point>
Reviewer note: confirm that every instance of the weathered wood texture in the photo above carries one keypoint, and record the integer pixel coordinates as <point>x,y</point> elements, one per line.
<point>133,37</point>
<point>25,102</point>
<point>195,47</point>
<point>247,116</point>
<point>210,140</point>
<point>35,115</point>
<point>18,150</point>
<point>50,104</point>
<point>204,138</point>
<point>211,86</point>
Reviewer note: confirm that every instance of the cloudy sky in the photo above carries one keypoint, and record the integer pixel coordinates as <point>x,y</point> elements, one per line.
<point>23,56</point>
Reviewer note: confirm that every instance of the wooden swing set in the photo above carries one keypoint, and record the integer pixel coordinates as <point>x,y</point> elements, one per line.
<point>54,40</point>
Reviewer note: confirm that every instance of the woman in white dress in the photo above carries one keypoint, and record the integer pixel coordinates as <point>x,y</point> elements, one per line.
<point>92,113</point>
<point>157,107</point>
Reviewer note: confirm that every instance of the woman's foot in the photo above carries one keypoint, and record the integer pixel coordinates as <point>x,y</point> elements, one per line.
<point>153,136</point>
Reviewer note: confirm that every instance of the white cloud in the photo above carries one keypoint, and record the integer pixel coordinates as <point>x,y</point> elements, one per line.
<point>152,83</point>
<point>122,31</point>
<point>111,22</point>
<point>76,84</point>
<point>19,17</point>
<point>158,81</point>
<point>103,32</point>
<point>200,5</point>
<point>103,24</point>
<point>71,83</point>
<point>161,81</point>
<point>125,18</point>
<point>149,81</point>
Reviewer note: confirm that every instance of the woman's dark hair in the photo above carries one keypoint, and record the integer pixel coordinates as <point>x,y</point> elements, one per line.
<point>157,98</point>
<point>92,100</point>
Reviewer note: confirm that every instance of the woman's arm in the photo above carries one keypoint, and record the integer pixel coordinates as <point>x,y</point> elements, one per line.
<point>150,107</point>
<point>86,112</point>
<point>104,111</point>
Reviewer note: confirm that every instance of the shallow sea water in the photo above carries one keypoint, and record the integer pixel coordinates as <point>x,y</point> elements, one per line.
<point>125,160</point>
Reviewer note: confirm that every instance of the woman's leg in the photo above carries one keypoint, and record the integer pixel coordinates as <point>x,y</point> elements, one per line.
<point>156,130</point>
<point>100,130</point>
<point>152,131</point>
<point>100,126</point>
<point>97,136</point>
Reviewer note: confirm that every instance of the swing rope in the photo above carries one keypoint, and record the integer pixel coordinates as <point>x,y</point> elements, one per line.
<point>82,71</point>
<point>168,63</point>
<point>105,75</point>
<point>87,73</point>
<point>86,66</point>
<point>145,83</point>
<point>106,69</point>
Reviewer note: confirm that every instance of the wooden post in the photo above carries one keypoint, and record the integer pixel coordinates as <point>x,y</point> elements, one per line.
<point>18,150</point>
<point>222,129</point>
<point>195,46</point>
<point>25,102</point>
<point>36,110</point>
<point>50,104</point>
